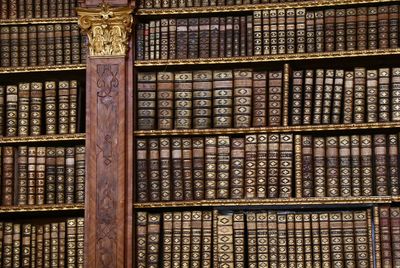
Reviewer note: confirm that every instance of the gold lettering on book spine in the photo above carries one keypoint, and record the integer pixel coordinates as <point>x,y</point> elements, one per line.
<point>107,28</point>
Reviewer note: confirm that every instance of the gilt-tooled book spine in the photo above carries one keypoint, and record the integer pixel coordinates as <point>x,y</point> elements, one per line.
<point>242,97</point>
<point>316,240</point>
<point>273,165</point>
<point>23,46</point>
<point>384,95</point>
<point>275,98</point>
<point>282,239</point>
<point>39,245</point>
<point>52,7</point>
<point>230,36</point>
<point>75,44</point>
<point>299,239</point>
<point>47,245</point>
<point>359,95</point>
<point>54,253</point>
<point>262,166</point>
<point>31,175</point>
<point>329,26</point>
<point>60,175</point>
<point>63,106</point>
<point>186,238</point>
<point>273,17</point>
<point>300,38</point>
<point>361,238</point>
<point>362,28</point>
<point>319,167</point>
<point>210,186</point>
<point>187,164</point>
<point>26,244</point>
<point>249,35</point>
<point>32,258</point>
<point>42,47</point>
<point>165,169</point>
<point>73,106</point>
<point>380,164</point>
<point>38,9</point>
<point>67,43</point>
<point>177,169</point>
<point>225,246</point>
<point>193,38</point>
<point>324,239</point>
<point>285,165</point>
<point>11,110</point>
<point>273,238</point>
<point>36,108</point>
<point>355,151</point>
<point>50,44</point>
<point>154,169</point>
<point>223,160</point>
<point>7,244</point>
<point>262,239</point>
<point>80,225</point>
<point>140,234</point>
<point>182,38</point>
<point>348,239</point>
<point>258,21</point>
<point>166,240</point>
<point>22,175</point>
<point>395,234</point>
<point>70,175</point>
<point>340,30</point>
<point>152,39</point>
<point>291,240</point>
<point>366,165</point>
<point>176,239</point>
<point>395,97</point>
<point>214,37</point>
<point>183,90</point>
<point>204,37</point>
<point>7,190</point>
<point>16,245</point>
<point>251,239</point>
<point>241,35</point>
<point>310,31</point>
<point>383,27</point>
<point>153,239</point>
<point>345,165</point>
<point>260,99</point>
<point>332,166</point>
<point>393,26</point>
<point>308,166</point>
<point>336,116</point>
<point>297,92</point>
<point>282,34</point>
<point>139,41</point>
<point>4,9</point>
<point>80,174</point>
<point>202,99</point>
<point>385,235</point>
<point>351,29</point>
<point>14,46</point>
<point>206,247</point>
<point>5,46</point>
<point>21,9</point>
<point>2,109</point>
<point>61,244</point>
<point>50,175</point>
<point>33,45</point>
<point>250,161</point>
<point>221,39</point>
<point>372,96</point>
<point>222,98</point>
<point>40,175</point>
<point>372,27</point>
<point>318,97</point>
<point>146,37</point>
<point>393,164</point>
<point>308,97</point>
<point>23,109</point>
<point>237,168</point>
<point>146,100</point>
<point>328,96</point>
<point>198,168</point>
<point>239,240</point>
<point>308,251</point>
<point>348,97</point>
<point>195,246</point>
<point>336,238</point>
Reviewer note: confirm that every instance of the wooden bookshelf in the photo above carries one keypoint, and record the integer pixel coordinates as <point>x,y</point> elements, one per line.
<point>41,208</point>
<point>49,68</point>
<point>38,21</point>
<point>43,138</point>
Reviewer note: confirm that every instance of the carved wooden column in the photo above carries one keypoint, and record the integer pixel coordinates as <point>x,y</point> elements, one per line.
<point>107,199</point>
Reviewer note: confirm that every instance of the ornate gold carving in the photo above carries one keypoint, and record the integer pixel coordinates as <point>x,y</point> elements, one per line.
<point>107,29</point>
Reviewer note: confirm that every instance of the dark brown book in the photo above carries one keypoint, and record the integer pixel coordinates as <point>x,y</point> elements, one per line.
<point>291,240</point>
<point>345,165</point>
<point>206,250</point>
<point>348,239</point>
<point>260,97</point>
<point>395,234</point>
<point>383,27</point>
<point>14,46</point>
<point>153,238</point>
<point>50,44</point>
<point>198,168</point>
<point>146,100</point>
<point>75,44</point>
<point>54,254</point>
<point>196,241</point>
<point>282,34</point>
<point>273,16</point>
<point>41,45</point>
<point>239,239</point>
<point>329,26</point>
<point>223,160</point>
<point>250,164</point>
<point>67,47</point>
<point>166,239</point>
<point>172,38</point>
<point>187,164</point>
<point>60,175</point>
<point>320,186</point>
<point>176,239</point>
<point>273,238</point>
<point>31,175</point>
<point>324,239</point>
<point>23,46</point>
<point>393,26</point>
<point>39,245</point>
<point>262,238</point>
<point>182,38</point>
<point>310,31</point>
<point>285,165</point>
<point>26,244</point>
<point>165,169</point>
<point>2,109</point>
<point>70,175</point>
<point>140,234</point>
<point>395,97</point>
<point>366,165</point>
<point>372,28</point>
<point>228,39</point>
<point>266,48</point>
<point>337,100</point>
<point>193,38</point>
<point>7,191</point>
<point>62,244</point>
<point>142,170</point>
<point>282,238</point>
<point>33,245</point>
<point>385,236</point>
<point>351,28</point>
<point>4,9</point>
<point>7,244</point>
<point>237,168</point>
<point>372,96</point>
<point>251,222</point>
<point>23,109</point>
<point>336,238</point>
<point>73,106</point>
<point>308,244</point>
<point>307,166</point>
<point>154,169</point>
<point>340,30</point>
<point>262,166</point>
<point>242,101</point>
<point>50,179</point>
<point>297,97</point>
<point>202,99</point>
<point>80,174</point>
<point>300,38</point>
<point>299,239</point>
<point>362,28</point>
<point>33,45</point>
<point>222,98</point>
<point>36,90</point>
<point>273,165</point>
<point>355,151</point>
<point>210,186</point>
<point>243,35</point>
<point>380,164</point>
<point>11,110</point>
<point>16,245</point>
<point>258,28</point>
<point>236,42</point>
<point>249,35</point>
<point>332,166</point>
<point>22,175</point>
<point>183,90</point>
<point>186,238</point>
<point>80,226</point>
<point>393,174</point>
<point>360,81</point>
<point>177,169</point>
<point>308,97</point>
<point>318,97</point>
<point>328,96</point>
<point>214,36</point>
<point>384,95</point>
<point>139,53</point>
<point>163,40</point>
<point>348,97</point>
<point>275,98</point>
<point>63,106</point>
<point>40,175</point>
<point>361,238</point>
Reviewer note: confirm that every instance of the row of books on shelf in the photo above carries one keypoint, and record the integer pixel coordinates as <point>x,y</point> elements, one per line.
<point>36,108</point>
<point>56,243</point>
<point>275,31</point>
<point>41,44</point>
<point>262,166</point>
<point>266,238</point>
<point>42,175</point>
<point>28,9</point>
<point>254,98</point>
<point>157,4</point>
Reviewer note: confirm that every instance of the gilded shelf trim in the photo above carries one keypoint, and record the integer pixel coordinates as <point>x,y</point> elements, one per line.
<point>240,8</point>
<point>269,202</point>
<point>252,130</point>
<point>52,68</point>
<point>39,21</point>
<point>43,138</point>
<point>270,58</point>
<point>40,208</point>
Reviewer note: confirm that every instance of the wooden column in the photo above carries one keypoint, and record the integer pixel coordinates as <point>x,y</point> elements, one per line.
<point>107,205</point>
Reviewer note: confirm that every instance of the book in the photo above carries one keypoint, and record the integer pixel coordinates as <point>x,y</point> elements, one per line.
<point>22,173</point>
<point>348,97</point>
<point>36,96</point>
<point>297,97</point>
<point>318,96</point>
<point>23,46</point>
<point>187,164</point>
<point>336,238</point>
<point>239,240</point>
<point>359,95</point>
<point>299,239</point>
<point>262,165</point>
<point>273,165</point>
<point>372,96</point>
<point>210,183</point>
<point>177,169</point>
<point>60,175</point>
<point>70,175</point>
<point>237,164</point>
<point>198,168</point>
<point>50,172</point>
<point>308,252</point>
<point>361,238</point>
<point>395,233</point>
<point>285,165</point>
<point>7,176</point>
<point>195,246</point>
<point>193,38</point>
<point>319,167</point>
<point>380,164</point>
<point>40,175</point>
<point>336,116</point>
<point>11,110</point>
<point>392,153</point>
<point>366,165</point>
<point>345,165</point>
<point>214,36</point>
<point>202,99</point>
<point>393,25</point>
<point>282,239</point>
<point>266,48</point>
<point>291,240</point>
<point>250,165</point>
<point>351,28</point>
<point>355,151</point>
<point>308,97</point>
<point>146,100</point>
<point>307,166</point>
<point>50,107</point>
<point>23,109</point>
<point>385,236</point>
<point>73,106</point>
<point>242,99</point>
<point>32,45</point>
<point>140,234</point>
<point>32,152</point>
<point>2,110</point>
<point>182,38</point>
<point>186,238</point>
<point>332,166</point>
<point>63,106</point>
<point>14,46</point>
<point>301,35</point>
<point>5,43</point>
<point>251,224</point>
<point>183,90</point>
<point>260,99</point>
<point>222,98</point>
<point>383,95</point>
<point>372,27</point>
<point>348,238</point>
<point>176,239</point>
<point>275,98</point>
<point>205,37</point>
<point>324,239</point>
<point>383,27</point>
<point>154,169</point>
<point>223,160</point>
<point>328,96</point>
<point>153,238</point>
<point>165,169</point>
<point>16,245</point>
<point>80,174</point>
<point>167,230</point>
<point>206,248</point>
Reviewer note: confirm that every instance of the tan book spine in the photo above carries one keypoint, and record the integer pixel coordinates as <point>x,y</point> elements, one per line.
<point>366,165</point>
<point>7,244</point>
<point>26,245</point>
<point>316,240</point>
<point>207,241</point>
<point>380,164</point>
<point>140,234</point>
<point>319,167</point>
<point>195,246</point>
<point>40,175</point>
<point>80,174</point>
<point>63,106</point>
<point>202,99</point>
<point>165,100</point>
<point>31,175</point>
<point>250,159</point>
<point>308,253</point>
<point>223,160</point>
<point>22,173</point>
<point>80,239</point>
<point>355,152</point>
<point>299,239</point>
<point>39,246</point>
<point>332,166</point>
<point>177,169</point>
<point>33,246</point>
<point>336,238</point>
<point>210,168</point>
<point>324,239</point>
<point>47,245</point>
<point>60,175</point>
<point>54,244</point>
<point>36,108</point>
<point>251,240</point>
<point>273,238</point>
<point>239,240</point>
<point>242,97</point>
<point>165,168</point>
<point>286,155</point>
<point>361,238</point>
<point>166,240</point>
<point>16,245</point>
<point>177,239</point>
<point>50,180</point>
<point>345,165</point>
<point>348,239</point>
<point>11,110</point>
<point>282,240</point>
<point>291,240</point>
<point>142,174</point>
<point>186,238</point>
<point>154,169</point>
<point>23,109</point>
<point>237,168</point>
<point>62,244</point>
<point>50,107</point>
<point>222,98</point>
<point>393,162</point>
<point>153,239</point>
<point>198,168</point>
<point>273,165</point>
<point>183,90</point>
<point>262,165</point>
<point>187,165</point>
<point>70,175</point>
<point>73,106</point>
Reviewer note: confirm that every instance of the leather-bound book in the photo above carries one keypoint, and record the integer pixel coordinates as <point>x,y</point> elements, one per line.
<point>372,96</point>
<point>300,38</point>
<point>14,46</point>
<point>50,44</point>
<point>11,110</point>
<point>265,33</point>
<point>69,175</point>
<point>222,98</point>
<point>320,180</point>
<point>228,36</point>
<point>16,245</point>
<point>31,175</point>
<point>250,164</point>
<point>361,238</point>
<point>329,26</point>
<point>348,239</point>
<point>139,53</point>
<point>146,37</point>
<point>183,90</point>
<point>73,106</point>
<point>33,245</point>
<point>273,165</point>
<point>37,9</point>
<point>50,179</point>
<point>80,226</point>
<point>297,97</point>
<point>214,37</point>
<point>242,99</point>
<point>223,160</point>
<point>205,37</point>
<point>251,222</point>
<point>225,246</point>
<point>198,168</point>
<point>366,165</point>
<point>282,239</point>
<point>337,108</point>
<point>384,95</point>
<point>345,165</point>
<point>249,36</point>
<point>26,244</point>
<point>273,238</point>
<point>285,165</point>
<point>166,240</point>
<point>328,96</point>
<point>273,17</point>
<point>13,9</point>
<point>153,239</point>
<point>75,44</point>
<point>299,238</point>
<point>308,166</point>
<point>340,30</point>
<point>165,168</point>
<point>2,109</point>
<point>355,151</point>
<point>193,38</point>
<point>40,175</point>
<point>385,236</point>
<point>146,100</point>
<point>23,46</point>
<point>324,239</point>
<point>67,43</point>
<point>36,108</point>
<point>282,34</point>
<point>21,9</point>
<point>5,46</point>
<point>154,169</point>
<point>4,9</point>
<point>262,238</point>
<point>316,240</point>
<point>383,27</point>
<point>155,40</point>
<point>336,238</point>
<point>182,38</point>
<point>262,165</point>
<point>351,29</point>
<point>7,244</point>
<point>380,164</point>
<point>172,30</point>
<point>260,99</point>
<point>195,246</point>
<point>206,246</point>
<point>236,42</point>
<point>362,28</point>
<point>210,186</point>
<point>7,191</point>
<point>23,109</point>
<point>308,251</point>
<point>187,162</point>
<point>348,97</point>
<point>186,238</point>
<point>308,97</point>
<point>176,239</point>
<point>39,245</point>
<point>239,239</point>
<point>393,164</point>
<point>237,168</point>
<point>395,97</point>
<point>332,166</point>
<point>140,234</point>
<point>177,169</point>
<point>395,234</point>
<point>275,98</point>
<point>53,6</point>
<point>33,45</point>
<point>63,106</point>
<point>61,244</point>
<point>318,97</point>
<point>310,31</point>
<point>360,81</point>
<point>372,28</point>
<point>291,240</point>
<point>220,42</point>
<point>202,99</point>
<point>42,47</point>
<point>393,26</point>
<point>22,175</point>
<point>60,175</point>
<point>54,253</point>
<point>80,174</point>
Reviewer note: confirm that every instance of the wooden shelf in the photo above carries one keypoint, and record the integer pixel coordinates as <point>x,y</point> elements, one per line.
<point>271,202</point>
<point>270,58</point>
<point>38,21</point>
<point>41,208</point>
<point>43,138</point>
<point>252,130</point>
<point>241,8</point>
<point>52,68</point>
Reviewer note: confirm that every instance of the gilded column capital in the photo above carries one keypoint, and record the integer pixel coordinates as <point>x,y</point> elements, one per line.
<point>107,28</point>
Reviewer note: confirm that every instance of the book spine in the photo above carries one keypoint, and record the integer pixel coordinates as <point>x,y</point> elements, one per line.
<point>320,187</point>
<point>70,175</point>
<point>22,174</point>
<point>228,36</point>
<point>140,234</point>
<point>16,245</point>
<point>198,168</point>
<point>80,226</point>
<point>324,239</point>
<point>80,174</point>
<point>297,90</point>
<point>166,240</point>
<point>332,166</point>
<point>337,97</point>
<point>395,234</point>
<point>7,244</point>
<point>282,240</point>
<point>32,258</point>
<point>348,97</point>
<point>340,30</point>
<point>366,165</point>
<point>26,244</point>
<point>351,28</point>
<point>318,96</point>
<point>395,97</point>
<point>329,23</point>
<point>250,161</point>
<point>146,101</point>
<point>361,238</point>
<point>73,106</point>
<point>214,36</point>
<point>47,245</point>
<point>54,254</point>
<point>183,90</point>
<point>383,27</point>
<point>7,176</point>
<point>23,46</point>
<point>273,238</point>
<point>195,246</point>
<point>33,45</point>
<point>242,97</point>
<point>372,96</point>
<point>67,43</point>
<point>2,109</point>
<point>382,216</point>
<point>75,44</point>
<point>4,9</point>
<point>210,167</point>
<point>359,94</point>
<point>207,240</point>
<point>308,252</point>
<point>316,239</point>
<point>154,169</point>
<point>251,239</point>
<point>345,165</point>
<point>275,97</point>
<point>299,239</point>
<point>249,35</point>
<point>182,38</point>
<point>165,169</point>
<point>205,37</point>
<point>40,175</point>
<point>328,96</point>
<point>300,38</point>
<point>291,240</point>
<point>372,27</point>
<point>187,164</point>
<point>266,46</point>
<point>11,110</point>
<point>186,238</point>
<point>362,28</point>
<point>282,34</point>
<point>63,106</point>
<point>273,165</point>
<point>310,31</point>
<point>285,165</point>
<point>202,99</point>
<point>380,164</point>
<point>36,108</point>
<point>60,175</point>
<point>61,244</point>
<point>153,238</point>
<point>177,169</point>
<point>139,47</point>
<point>383,95</point>
<point>262,238</point>
<point>146,37</point>
<point>336,238</point>
<point>262,165</point>
<point>222,98</point>
<point>260,98</point>
<point>393,26</point>
<point>177,239</point>
<point>237,168</point>
<point>348,238</point>
<point>14,46</point>
<point>50,175</point>
<point>258,32</point>
<point>393,164</point>
<point>39,246</point>
<point>152,39</point>
<point>308,97</point>
<point>223,160</point>
<point>355,151</point>
<point>193,38</point>
<point>308,166</point>
<point>31,175</point>
<point>50,44</point>
<point>23,109</point>
<point>42,47</point>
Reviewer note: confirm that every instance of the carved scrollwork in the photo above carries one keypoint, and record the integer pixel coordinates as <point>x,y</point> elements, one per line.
<point>107,28</point>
